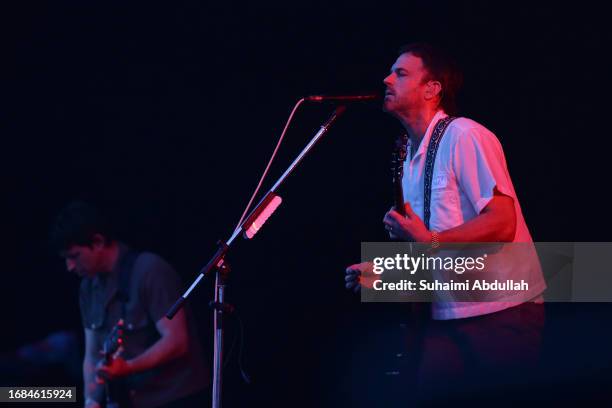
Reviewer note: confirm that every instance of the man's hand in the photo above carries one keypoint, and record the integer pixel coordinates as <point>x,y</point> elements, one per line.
<point>359,275</point>
<point>409,228</point>
<point>118,367</point>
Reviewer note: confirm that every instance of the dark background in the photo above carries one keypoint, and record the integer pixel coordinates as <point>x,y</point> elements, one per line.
<point>165,115</point>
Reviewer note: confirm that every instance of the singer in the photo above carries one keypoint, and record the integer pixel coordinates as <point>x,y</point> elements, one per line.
<point>469,197</point>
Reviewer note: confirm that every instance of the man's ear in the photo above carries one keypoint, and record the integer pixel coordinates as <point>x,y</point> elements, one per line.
<point>434,88</point>
<point>98,241</point>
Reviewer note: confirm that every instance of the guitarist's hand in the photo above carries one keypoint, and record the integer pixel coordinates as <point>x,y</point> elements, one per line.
<point>409,228</point>
<point>359,275</point>
<point>118,367</point>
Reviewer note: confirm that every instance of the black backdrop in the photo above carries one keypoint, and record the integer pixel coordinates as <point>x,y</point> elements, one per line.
<point>166,115</point>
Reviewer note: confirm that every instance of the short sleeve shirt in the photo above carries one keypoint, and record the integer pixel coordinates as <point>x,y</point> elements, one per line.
<point>469,165</point>
<point>153,288</point>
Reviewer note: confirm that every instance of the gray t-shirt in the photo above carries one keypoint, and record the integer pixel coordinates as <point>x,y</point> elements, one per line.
<point>153,287</point>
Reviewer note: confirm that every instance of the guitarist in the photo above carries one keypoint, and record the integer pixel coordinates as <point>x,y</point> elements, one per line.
<point>457,188</point>
<point>161,360</point>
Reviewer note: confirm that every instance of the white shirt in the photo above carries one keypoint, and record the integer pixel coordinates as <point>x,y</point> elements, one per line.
<point>469,164</point>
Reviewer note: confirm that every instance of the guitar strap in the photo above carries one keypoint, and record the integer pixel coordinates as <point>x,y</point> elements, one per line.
<point>421,312</point>
<point>432,151</point>
<point>123,290</point>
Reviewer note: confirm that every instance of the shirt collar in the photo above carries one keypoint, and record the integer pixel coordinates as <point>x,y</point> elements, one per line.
<point>425,142</point>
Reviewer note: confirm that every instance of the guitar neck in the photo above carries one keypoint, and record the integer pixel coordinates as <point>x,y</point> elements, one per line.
<point>398,159</point>
<point>399,198</point>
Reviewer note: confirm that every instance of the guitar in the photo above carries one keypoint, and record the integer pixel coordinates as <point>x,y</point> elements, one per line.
<point>398,158</point>
<point>111,345</point>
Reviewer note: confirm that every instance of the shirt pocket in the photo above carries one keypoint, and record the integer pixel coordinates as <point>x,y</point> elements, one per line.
<point>136,317</point>
<point>439,181</point>
<point>442,191</point>
<point>96,319</point>
<point>100,315</point>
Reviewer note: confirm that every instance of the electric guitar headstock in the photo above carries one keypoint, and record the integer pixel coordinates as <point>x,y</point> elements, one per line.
<point>113,341</point>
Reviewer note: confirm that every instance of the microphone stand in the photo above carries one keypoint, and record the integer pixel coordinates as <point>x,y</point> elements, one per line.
<point>252,223</point>
<point>218,330</point>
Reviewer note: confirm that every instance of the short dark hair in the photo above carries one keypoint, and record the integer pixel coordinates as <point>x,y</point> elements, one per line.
<point>441,67</point>
<point>77,224</point>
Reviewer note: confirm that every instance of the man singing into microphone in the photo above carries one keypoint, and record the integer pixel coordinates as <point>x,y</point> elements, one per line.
<point>471,199</point>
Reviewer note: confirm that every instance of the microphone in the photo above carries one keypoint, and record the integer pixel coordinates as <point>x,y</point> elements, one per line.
<point>343,98</point>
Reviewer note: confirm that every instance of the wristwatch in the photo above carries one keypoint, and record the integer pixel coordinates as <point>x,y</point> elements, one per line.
<point>435,240</point>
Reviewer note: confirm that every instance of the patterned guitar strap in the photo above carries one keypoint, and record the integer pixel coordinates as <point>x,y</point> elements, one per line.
<point>421,312</point>
<point>432,150</point>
